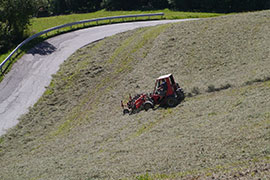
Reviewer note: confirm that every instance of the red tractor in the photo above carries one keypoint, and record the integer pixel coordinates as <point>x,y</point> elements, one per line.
<point>166,93</point>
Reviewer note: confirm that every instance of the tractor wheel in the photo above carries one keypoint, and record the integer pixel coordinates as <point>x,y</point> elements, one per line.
<point>148,105</point>
<point>125,111</point>
<point>180,94</point>
<point>171,101</point>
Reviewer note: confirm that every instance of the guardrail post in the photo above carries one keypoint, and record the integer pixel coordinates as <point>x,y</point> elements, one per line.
<point>9,62</point>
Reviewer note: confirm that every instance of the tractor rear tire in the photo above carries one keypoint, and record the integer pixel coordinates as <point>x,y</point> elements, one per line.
<point>180,95</point>
<point>171,102</point>
<point>148,105</point>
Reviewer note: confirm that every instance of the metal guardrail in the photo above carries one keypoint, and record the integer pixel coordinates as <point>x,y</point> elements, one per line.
<point>8,59</point>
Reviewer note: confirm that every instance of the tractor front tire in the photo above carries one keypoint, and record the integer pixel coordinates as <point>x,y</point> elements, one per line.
<point>125,111</point>
<point>148,105</point>
<point>171,102</point>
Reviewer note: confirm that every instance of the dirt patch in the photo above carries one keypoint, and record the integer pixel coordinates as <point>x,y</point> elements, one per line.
<point>77,130</point>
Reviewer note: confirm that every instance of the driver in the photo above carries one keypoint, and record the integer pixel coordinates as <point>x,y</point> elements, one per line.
<point>163,88</point>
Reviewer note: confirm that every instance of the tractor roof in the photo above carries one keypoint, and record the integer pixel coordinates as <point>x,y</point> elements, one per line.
<point>164,76</point>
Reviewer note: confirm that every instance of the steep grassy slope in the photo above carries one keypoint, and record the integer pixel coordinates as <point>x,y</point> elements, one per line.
<point>77,130</point>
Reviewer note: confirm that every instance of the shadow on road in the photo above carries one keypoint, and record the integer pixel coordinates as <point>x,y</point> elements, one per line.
<point>43,48</point>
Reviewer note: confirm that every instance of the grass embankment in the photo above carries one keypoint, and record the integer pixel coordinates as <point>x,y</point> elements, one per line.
<point>77,130</point>
<point>40,24</point>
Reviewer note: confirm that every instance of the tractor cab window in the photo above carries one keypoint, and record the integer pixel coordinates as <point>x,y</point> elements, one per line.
<point>163,84</point>
<point>158,84</point>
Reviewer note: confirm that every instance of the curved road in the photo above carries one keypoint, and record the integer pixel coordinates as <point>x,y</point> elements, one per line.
<point>26,82</point>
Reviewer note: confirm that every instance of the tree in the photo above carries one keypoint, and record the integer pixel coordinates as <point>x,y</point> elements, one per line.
<point>80,6</point>
<point>180,4</point>
<point>58,7</point>
<point>74,6</point>
<point>121,4</point>
<point>14,18</point>
<point>220,5</point>
<point>154,4</point>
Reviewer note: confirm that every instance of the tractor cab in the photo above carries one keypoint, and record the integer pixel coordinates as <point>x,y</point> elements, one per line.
<point>167,91</point>
<point>170,83</point>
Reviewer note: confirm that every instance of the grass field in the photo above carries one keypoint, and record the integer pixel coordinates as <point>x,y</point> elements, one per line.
<point>40,24</point>
<point>221,131</point>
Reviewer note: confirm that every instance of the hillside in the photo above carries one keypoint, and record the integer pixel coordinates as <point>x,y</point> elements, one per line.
<point>222,129</point>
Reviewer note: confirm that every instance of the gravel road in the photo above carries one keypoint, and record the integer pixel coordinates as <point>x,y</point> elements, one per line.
<point>26,82</point>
